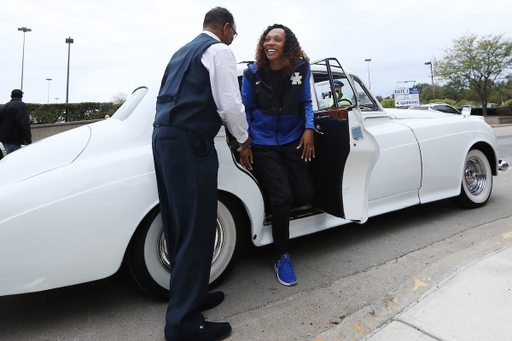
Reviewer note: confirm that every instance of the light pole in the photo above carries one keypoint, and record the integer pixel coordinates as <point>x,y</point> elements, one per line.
<point>368,61</point>
<point>69,41</point>
<point>48,79</point>
<point>25,30</point>
<point>432,76</point>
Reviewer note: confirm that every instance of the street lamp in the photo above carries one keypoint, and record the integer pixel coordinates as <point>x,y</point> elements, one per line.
<point>368,61</point>
<point>25,30</point>
<point>69,41</point>
<point>48,79</point>
<point>432,76</point>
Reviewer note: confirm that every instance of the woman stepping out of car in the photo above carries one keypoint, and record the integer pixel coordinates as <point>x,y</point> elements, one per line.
<point>276,93</point>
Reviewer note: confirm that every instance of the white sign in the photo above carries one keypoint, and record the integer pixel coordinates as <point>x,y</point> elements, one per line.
<point>406,103</point>
<point>405,97</point>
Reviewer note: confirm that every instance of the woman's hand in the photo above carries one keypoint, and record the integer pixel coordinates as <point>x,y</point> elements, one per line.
<point>309,145</point>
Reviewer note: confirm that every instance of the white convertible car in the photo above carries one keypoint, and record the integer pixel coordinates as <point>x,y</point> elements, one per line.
<point>75,206</point>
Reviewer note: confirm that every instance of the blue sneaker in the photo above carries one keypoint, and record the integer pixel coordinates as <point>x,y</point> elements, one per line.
<point>284,271</point>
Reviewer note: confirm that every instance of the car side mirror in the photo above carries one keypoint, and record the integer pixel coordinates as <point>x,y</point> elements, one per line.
<point>466,112</point>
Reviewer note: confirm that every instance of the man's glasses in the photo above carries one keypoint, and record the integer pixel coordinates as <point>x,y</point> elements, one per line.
<point>236,34</point>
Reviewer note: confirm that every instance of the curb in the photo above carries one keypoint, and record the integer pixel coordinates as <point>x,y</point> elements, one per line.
<point>365,322</point>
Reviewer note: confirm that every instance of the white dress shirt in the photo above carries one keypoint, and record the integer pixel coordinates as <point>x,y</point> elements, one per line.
<point>220,62</point>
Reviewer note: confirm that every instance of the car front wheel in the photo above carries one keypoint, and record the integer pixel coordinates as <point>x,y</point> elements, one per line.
<point>476,184</point>
<point>148,260</point>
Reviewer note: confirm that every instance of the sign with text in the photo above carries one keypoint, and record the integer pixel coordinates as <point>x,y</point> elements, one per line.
<point>405,97</point>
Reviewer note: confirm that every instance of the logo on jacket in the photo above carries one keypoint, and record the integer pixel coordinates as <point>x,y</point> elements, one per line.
<point>296,78</point>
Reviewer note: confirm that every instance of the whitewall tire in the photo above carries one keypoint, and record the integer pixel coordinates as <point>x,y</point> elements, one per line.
<point>147,255</point>
<point>477,181</point>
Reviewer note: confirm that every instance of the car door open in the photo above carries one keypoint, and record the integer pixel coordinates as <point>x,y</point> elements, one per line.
<point>345,151</point>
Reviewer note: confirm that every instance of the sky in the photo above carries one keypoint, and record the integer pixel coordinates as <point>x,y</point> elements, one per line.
<point>120,45</point>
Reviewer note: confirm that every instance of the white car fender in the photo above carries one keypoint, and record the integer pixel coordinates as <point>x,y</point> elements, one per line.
<point>230,179</point>
<point>443,150</point>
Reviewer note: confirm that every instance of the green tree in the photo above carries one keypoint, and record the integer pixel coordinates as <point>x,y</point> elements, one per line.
<point>448,91</point>
<point>119,98</point>
<point>425,90</point>
<point>421,86</point>
<point>503,91</point>
<point>475,63</point>
<point>447,101</point>
<point>388,103</point>
<point>470,96</point>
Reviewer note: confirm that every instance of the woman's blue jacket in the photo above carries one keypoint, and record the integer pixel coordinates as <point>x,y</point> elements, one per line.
<point>275,122</point>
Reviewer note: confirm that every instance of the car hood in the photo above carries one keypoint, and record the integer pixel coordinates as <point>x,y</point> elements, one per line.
<point>415,114</point>
<point>43,156</point>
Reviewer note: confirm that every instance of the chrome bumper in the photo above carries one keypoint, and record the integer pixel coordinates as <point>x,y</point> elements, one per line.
<point>502,165</point>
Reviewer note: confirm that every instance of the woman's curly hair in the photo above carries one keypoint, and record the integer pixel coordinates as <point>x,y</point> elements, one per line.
<point>293,52</point>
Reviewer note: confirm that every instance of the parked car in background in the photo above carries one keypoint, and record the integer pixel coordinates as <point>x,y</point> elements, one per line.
<point>77,205</point>
<point>443,107</point>
<point>468,106</point>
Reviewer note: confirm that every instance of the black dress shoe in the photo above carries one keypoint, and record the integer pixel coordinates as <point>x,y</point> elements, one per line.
<point>212,300</point>
<point>210,331</point>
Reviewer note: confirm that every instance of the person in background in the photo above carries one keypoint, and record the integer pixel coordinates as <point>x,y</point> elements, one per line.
<point>276,93</point>
<point>15,123</point>
<point>199,92</point>
<point>342,98</point>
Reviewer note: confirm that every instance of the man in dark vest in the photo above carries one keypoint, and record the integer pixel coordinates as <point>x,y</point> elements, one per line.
<point>15,123</point>
<point>199,92</point>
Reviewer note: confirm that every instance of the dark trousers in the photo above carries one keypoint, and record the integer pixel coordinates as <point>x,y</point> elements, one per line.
<point>286,179</point>
<point>9,148</point>
<point>186,168</point>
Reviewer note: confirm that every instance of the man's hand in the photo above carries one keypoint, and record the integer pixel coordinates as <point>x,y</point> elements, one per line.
<point>245,145</point>
<point>234,145</point>
<point>309,145</point>
<point>246,154</point>
<point>246,158</point>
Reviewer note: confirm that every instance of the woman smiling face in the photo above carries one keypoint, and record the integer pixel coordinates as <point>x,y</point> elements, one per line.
<point>274,48</point>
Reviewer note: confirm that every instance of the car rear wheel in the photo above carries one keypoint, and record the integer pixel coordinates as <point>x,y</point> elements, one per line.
<point>147,257</point>
<point>476,184</point>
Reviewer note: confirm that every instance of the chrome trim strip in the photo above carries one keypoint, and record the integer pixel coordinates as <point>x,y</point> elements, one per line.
<point>373,117</point>
<point>503,165</point>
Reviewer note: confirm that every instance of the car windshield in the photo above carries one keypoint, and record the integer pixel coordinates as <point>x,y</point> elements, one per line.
<point>324,96</point>
<point>450,110</point>
<point>331,86</point>
<point>131,103</point>
<point>365,101</point>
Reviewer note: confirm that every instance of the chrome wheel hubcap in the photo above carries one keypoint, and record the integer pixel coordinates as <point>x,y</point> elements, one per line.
<point>163,255</point>
<point>475,176</point>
